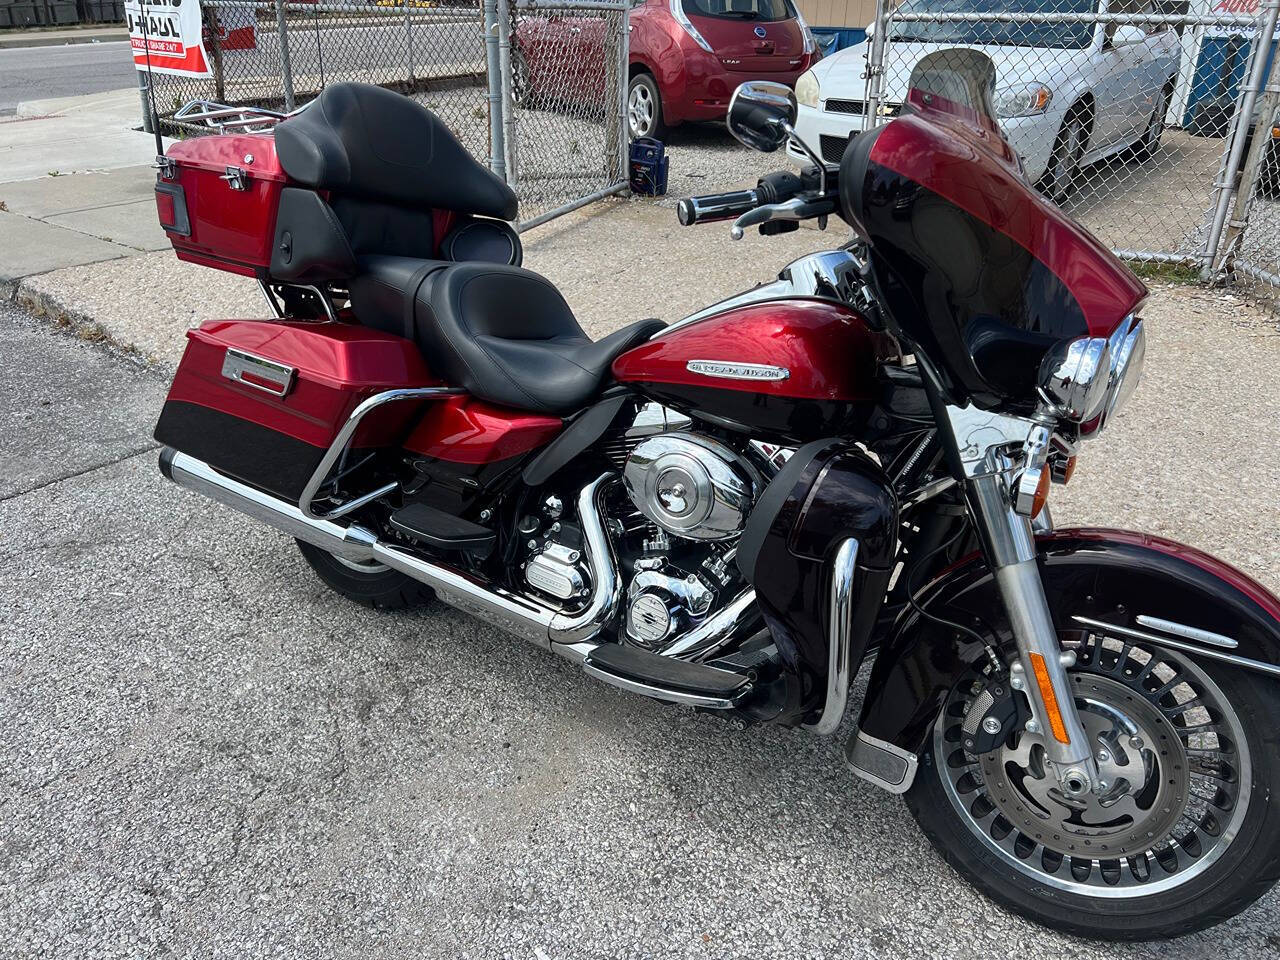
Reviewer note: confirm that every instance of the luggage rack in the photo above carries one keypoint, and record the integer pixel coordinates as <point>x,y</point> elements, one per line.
<point>223,117</point>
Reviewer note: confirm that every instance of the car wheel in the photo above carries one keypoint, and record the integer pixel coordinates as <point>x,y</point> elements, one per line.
<point>1146,148</point>
<point>521,80</point>
<point>644,108</point>
<point>1059,180</point>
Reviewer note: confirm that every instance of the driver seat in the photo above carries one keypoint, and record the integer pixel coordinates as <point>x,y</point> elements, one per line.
<point>503,333</point>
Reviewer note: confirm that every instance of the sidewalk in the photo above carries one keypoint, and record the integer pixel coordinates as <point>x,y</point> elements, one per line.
<point>97,33</point>
<point>75,185</point>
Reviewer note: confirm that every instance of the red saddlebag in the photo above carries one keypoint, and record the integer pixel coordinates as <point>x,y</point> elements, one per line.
<point>261,400</point>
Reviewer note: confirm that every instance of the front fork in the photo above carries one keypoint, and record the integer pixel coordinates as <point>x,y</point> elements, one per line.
<point>1008,542</point>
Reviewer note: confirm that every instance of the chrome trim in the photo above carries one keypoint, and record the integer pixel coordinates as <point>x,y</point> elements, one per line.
<point>927,491</point>
<point>839,639</point>
<point>663,693</point>
<point>567,634</point>
<point>1270,669</point>
<point>1042,522</point>
<point>734,370</point>
<point>715,632</point>
<point>1188,632</point>
<point>1075,378</point>
<point>278,377</point>
<point>348,430</point>
<point>981,436</point>
<point>860,743</point>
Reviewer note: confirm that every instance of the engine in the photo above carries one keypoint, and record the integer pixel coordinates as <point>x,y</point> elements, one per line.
<point>690,486</point>
<point>689,498</point>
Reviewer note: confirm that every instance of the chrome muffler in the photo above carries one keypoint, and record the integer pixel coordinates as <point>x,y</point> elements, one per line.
<point>568,634</point>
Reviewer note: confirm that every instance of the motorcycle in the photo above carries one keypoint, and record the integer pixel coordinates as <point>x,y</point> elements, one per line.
<point>847,466</point>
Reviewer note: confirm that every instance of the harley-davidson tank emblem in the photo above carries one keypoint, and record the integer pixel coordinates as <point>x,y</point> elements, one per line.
<point>732,370</point>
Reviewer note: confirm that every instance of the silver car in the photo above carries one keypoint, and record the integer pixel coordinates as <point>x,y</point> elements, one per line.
<point>1068,94</point>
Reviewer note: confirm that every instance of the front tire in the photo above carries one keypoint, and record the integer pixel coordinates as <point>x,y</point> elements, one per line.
<point>1146,148</point>
<point>1063,174</point>
<point>368,584</point>
<point>1211,796</point>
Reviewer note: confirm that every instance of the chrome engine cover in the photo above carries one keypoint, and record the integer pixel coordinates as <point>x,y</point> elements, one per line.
<point>690,486</point>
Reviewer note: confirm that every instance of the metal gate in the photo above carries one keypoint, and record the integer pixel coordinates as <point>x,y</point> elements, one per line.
<point>1140,117</point>
<point>535,88</point>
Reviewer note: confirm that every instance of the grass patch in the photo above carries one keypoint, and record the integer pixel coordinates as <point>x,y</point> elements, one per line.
<point>1167,272</point>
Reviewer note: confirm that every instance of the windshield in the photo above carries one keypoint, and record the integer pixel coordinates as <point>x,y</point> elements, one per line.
<point>757,11</point>
<point>959,82</point>
<point>1007,33</point>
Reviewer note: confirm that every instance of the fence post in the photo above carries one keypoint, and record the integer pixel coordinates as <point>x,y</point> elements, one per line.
<point>493,68</point>
<point>509,139</point>
<point>144,94</point>
<point>875,67</point>
<point>1229,178</point>
<point>408,35</point>
<point>286,68</point>
<point>624,82</point>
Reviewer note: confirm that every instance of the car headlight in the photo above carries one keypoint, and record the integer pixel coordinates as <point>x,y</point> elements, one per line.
<point>808,90</point>
<point>1022,100</point>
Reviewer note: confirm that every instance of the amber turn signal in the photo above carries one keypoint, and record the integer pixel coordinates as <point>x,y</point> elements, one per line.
<point>1062,468</point>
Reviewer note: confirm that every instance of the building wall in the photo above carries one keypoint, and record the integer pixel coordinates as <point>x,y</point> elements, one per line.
<point>837,13</point>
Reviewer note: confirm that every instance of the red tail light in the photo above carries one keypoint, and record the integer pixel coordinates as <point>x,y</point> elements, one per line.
<point>171,206</point>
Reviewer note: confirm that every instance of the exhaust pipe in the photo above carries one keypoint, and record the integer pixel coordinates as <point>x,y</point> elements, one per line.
<point>568,634</point>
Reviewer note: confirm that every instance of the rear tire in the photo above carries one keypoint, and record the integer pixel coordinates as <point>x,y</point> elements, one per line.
<point>644,108</point>
<point>368,584</point>
<point>1230,879</point>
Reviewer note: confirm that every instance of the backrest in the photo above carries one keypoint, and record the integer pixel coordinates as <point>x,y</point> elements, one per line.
<point>367,143</point>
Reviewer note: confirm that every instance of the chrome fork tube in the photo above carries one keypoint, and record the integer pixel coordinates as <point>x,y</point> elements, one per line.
<point>1009,544</point>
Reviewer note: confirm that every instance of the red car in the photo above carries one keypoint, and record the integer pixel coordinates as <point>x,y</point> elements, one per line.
<point>686,57</point>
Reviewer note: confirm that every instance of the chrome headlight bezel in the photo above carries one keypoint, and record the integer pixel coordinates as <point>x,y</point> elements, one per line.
<point>1087,380</point>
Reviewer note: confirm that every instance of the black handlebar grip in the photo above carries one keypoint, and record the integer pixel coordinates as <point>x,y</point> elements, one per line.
<point>716,206</point>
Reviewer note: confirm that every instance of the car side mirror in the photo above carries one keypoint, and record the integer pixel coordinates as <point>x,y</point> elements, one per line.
<point>761,114</point>
<point>1126,34</point>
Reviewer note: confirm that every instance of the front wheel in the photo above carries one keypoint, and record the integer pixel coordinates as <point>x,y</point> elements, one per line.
<point>1063,173</point>
<point>1185,834</point>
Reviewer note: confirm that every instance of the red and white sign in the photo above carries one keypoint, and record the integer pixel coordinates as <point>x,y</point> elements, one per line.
<point>237,28</point>
<point>167,36</point>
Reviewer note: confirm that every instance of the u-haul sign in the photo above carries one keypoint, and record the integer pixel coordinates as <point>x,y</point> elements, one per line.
<point>167,36</point>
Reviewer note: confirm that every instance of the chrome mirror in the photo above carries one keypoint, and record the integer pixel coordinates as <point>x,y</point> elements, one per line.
<point>761,114</point>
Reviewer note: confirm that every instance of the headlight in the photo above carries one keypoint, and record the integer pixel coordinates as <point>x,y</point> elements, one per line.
<point>807,89</point>
<point>1086,380</point>
<point>1022,100</point>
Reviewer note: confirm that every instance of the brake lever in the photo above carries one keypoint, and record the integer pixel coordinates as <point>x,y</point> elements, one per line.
<point>797,208</point>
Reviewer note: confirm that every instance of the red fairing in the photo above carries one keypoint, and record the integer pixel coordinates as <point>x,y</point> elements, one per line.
<point>338,365</point>
<point>828,351</point>
<point>466,430</point>
<point>230,229</point>
<point>975,169</point>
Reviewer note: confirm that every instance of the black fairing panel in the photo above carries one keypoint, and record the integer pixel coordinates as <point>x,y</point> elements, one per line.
<point>1109,576</point>
<point>367,142</point>
<point>827,493</point>
<point>960,290</point>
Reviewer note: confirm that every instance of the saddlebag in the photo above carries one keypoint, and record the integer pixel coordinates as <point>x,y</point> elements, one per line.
<point>262,400</point>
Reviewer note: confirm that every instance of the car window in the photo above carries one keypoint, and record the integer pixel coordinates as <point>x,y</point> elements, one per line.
<point>1008,33</point>
<point>756,11</point>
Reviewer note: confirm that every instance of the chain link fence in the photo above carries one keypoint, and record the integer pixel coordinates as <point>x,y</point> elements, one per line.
<point>1127,113</point>
<point>534,95</point>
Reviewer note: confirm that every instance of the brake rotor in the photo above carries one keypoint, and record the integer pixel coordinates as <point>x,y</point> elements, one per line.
<point>1143,777</point>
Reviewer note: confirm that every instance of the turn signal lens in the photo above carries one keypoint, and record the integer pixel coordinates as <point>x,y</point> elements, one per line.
<point>1056,726</point>
<point>1062,469</point>
<point>1042,494</point>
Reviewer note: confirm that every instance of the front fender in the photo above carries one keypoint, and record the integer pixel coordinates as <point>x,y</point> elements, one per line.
<point>1110,576</point>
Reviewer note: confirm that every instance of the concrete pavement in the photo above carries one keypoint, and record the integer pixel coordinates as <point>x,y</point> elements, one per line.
<point>40,72</point>
<point>206,754</point>
<point>99,33</point>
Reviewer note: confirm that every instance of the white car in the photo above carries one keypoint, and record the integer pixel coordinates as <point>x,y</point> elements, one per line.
<point>1067,94</point>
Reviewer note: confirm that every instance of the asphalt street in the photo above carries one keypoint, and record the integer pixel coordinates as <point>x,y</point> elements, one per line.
<point>39,73</point>
<point>206,754</point>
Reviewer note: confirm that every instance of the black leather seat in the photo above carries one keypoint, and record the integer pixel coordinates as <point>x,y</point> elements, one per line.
<point>504,333</point>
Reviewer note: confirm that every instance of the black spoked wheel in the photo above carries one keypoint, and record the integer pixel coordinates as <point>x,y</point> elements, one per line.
<point>1182,833</point>
<point>367,583</point>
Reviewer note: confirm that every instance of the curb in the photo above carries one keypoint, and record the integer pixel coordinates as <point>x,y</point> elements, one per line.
<point>36,40</point>
<point>72,322</point>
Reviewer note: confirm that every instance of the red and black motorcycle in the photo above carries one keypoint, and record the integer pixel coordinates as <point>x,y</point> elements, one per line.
<point>737,511</point>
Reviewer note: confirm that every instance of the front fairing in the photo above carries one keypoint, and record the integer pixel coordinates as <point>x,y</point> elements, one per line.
<point>982,274</point>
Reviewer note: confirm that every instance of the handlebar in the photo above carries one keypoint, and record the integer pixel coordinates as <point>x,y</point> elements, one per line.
<point>711,207</point>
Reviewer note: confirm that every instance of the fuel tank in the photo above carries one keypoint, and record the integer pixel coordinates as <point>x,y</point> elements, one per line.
<point>790,370</point>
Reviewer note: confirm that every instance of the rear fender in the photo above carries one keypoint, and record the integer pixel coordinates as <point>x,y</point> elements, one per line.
<point>1110,577</point>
